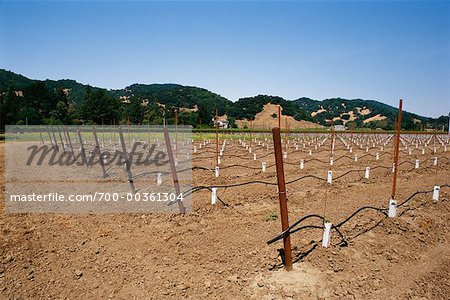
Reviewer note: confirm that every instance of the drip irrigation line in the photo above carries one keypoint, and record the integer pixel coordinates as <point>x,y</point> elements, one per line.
<point>140,175</point>
<point>412,196</point>
<point>341,157</point>
<point>291,229</point>
<point>406,162</point>
<point>294,180</point>
<point>265,155</point>
<point>285,232</point>
<point>199,188</point>
<point>316,159</point>
<point>380,167</point>
<point>348,172</point>
<point>304,177</point>
<point>381,210</point>
<point>239,166</point>
<point>244,183</point>
<point>368,154</point>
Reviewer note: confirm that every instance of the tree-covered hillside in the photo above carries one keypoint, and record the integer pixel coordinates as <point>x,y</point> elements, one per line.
<point>23,100</point>
<point>177,96</point>
<point>330,109</point>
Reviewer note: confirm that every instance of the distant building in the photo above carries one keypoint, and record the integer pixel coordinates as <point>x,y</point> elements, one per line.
<point>220,123</point>
<point>339,128</point>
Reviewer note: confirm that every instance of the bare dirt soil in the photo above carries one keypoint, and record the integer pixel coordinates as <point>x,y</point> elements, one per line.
<point>220,252</point>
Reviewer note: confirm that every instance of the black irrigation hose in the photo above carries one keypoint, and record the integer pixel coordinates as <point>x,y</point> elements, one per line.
<point>245,183</point>
<point>199,188</point>
<point>302,228</point>
<point>344,241</point>
<point>287,230</point>
<point>368,154</point>
<point>290,163</point>
<point>291,229</point>
<point>315,159</point>
<point>341,157</point>
<point>380,167</point>
<point>266,155</point>
<point>412,196</point>
<point>265,182</point>
<point>170,172</point>
<point>381,210</point>
<point>304,177</point>
<point>346,173</point>
<point>214,156</point>
<point>233,155</point>
<point>423,168</point>
<point>188,193</point>
<point>239,166</point>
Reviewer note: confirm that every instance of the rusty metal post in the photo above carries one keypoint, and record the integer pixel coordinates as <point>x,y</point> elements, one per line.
<point>282,197</point>
<point>279,116</point>
<point>285,133</point>
<point>217,138</point>
<point>351,135</point>
<point>176,134</point>
<point>397,144</point>
<point>332,138</point>
<point>173,169</point>
<point>200,123</point>
<point>251,133</point>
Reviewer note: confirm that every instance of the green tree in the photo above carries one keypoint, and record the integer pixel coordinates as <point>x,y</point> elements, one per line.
<point>99,107</point>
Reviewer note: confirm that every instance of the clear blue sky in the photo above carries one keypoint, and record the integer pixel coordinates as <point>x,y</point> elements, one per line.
<point>370,50</point>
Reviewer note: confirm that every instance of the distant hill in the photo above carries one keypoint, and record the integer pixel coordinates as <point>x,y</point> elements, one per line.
<point>175,95</point>
<point>369,113</point>
<point>67,100</point>
<point>10,79</point>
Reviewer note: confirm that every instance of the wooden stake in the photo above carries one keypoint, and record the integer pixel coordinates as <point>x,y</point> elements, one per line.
<point>200,122</point>
<point>397,144</point>
<point>285,133</point>
<point>332,137</point>
<point>251,133</point>
<point>173,169</point>
<point>282,197</point>
<point>217,138</point>
<point>279,116</point>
